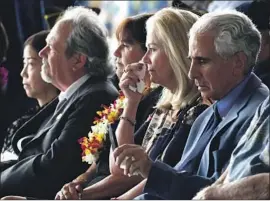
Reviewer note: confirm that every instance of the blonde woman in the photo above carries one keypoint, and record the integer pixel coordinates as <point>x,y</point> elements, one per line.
<point>165,133</point>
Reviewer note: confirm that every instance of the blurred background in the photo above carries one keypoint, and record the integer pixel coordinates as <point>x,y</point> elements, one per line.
<point>22,18</point>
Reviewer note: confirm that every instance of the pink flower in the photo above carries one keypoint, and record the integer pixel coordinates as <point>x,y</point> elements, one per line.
<point>3,76</point>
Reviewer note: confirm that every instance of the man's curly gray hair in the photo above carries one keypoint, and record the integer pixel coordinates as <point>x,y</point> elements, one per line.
<point>88,37</point>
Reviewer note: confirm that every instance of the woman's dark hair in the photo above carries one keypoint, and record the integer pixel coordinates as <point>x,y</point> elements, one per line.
<point>4,43</point>
<point>134,27</point>
<point>37,40</point>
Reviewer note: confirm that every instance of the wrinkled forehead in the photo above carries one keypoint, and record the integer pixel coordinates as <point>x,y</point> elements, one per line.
<point>201,43</point>
<point>192,41</point>
<point>59,33</point>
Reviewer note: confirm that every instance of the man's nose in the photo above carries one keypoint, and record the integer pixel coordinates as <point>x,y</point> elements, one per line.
<point>42,51</point>
<point>193,72</point>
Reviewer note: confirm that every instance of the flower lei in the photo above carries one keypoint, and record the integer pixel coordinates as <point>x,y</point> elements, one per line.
<point>96,137</point>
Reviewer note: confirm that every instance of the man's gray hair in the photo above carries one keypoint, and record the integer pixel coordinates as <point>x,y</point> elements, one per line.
<point>88,37</point>
<point>235,32</point>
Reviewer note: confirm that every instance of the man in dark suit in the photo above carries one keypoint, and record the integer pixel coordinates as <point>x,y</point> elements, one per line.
<point>223,49</point>
<point>75,60</point>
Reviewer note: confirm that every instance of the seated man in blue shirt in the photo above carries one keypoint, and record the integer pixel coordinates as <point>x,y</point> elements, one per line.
<point>247,176</point>
<point>223,48</point>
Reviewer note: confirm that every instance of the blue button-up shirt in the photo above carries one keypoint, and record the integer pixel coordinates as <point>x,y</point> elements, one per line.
<point>225,104</point>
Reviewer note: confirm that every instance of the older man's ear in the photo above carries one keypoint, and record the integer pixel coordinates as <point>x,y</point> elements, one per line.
<point>240,64</point>
<point>79,61</point>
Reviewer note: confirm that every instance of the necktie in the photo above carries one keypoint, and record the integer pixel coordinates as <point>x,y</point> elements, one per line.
<point>205,160</point>
<point>213,123</point>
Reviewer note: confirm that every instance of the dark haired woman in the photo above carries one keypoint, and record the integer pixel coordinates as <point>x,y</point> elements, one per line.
<point>34,87</point>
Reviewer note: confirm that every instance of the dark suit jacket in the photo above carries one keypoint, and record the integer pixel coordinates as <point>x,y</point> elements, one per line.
<point>172,183</point>
<point>53,157</point>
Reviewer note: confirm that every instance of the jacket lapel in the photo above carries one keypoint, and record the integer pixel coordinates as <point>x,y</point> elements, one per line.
<point>53,120</point>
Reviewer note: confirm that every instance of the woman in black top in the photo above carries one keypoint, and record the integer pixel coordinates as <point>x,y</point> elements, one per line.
<point>34,87</point>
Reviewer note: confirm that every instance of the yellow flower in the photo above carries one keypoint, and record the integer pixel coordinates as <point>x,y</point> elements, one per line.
<point>100,137</point>
<point>97,136</point>
<point>112,116</point>
<point>87,151</point>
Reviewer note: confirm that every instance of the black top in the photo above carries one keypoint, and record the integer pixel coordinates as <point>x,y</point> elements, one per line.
<point>15,126</point>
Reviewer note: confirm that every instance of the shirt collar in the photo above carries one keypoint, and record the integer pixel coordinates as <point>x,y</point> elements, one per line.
<point>225,104</point>
<point>72,88</point>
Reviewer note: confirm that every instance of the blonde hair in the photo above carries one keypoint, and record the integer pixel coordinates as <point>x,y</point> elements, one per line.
<point>171,26</point>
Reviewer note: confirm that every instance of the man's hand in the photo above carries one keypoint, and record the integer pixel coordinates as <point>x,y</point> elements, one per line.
<point>132,158</point>
<point>70,191</point>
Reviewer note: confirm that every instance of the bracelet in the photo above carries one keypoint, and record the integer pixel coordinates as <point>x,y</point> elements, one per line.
<point>132,123</point>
